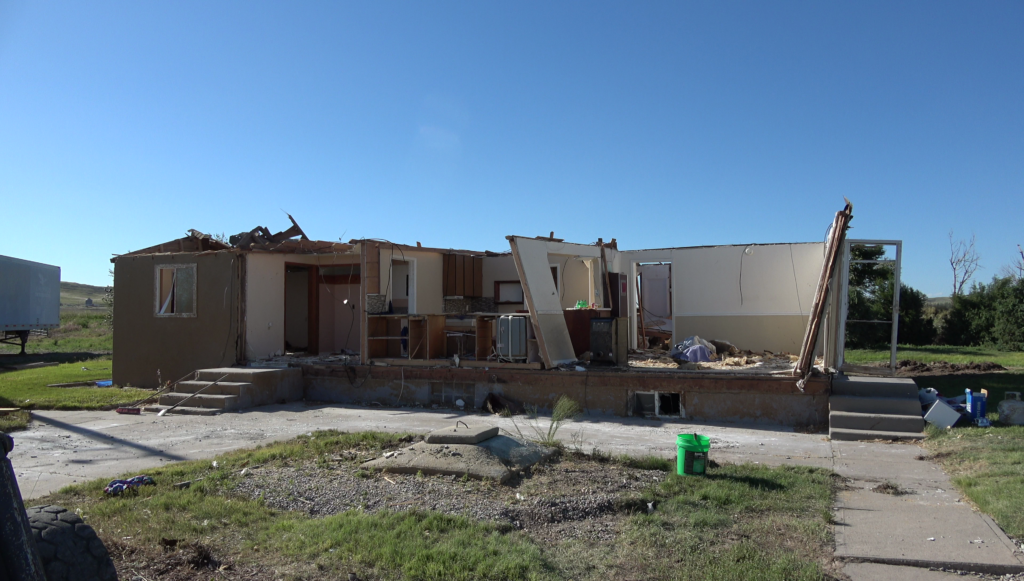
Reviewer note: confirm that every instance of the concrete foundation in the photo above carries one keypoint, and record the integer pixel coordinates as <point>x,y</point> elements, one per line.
<point>702,396</point>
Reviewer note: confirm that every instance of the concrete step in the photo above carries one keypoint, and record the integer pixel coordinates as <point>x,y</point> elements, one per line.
<point>876,422</point>
<point>183,410</point>
<point>855,435</point>
<point>875,405</point>
<point>265,385</point>
<point>874,387</point>
<point>214,401</point>
<point>221,388</point>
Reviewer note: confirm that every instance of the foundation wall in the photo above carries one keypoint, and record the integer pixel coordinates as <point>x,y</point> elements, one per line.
<point>704,397</point>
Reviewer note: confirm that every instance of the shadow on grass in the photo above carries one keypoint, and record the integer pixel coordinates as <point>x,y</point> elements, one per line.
<point>755,482</point>
<point>7,360</point>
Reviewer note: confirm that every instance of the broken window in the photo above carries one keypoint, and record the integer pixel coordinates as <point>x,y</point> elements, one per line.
<point>176,290</point>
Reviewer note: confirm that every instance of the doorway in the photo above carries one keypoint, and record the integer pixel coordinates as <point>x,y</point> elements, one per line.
<point>654,308</point>
<point>301,315</point>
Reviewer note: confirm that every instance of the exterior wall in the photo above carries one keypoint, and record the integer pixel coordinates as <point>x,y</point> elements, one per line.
<point>264,308</point>
<point>704,397</point>
<point>145,343</point>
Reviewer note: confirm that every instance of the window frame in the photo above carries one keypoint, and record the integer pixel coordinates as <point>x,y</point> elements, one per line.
<point>156,289</point>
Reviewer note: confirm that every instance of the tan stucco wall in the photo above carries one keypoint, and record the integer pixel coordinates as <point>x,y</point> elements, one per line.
<point>264,308</point>
<point>144,342</point>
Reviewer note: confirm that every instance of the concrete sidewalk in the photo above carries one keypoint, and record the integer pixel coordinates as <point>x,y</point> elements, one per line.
<point>929,526</point>
<point>890,534</point>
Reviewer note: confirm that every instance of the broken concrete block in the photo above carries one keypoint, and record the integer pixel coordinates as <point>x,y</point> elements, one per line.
<point>445,459</point>
<point>462,434</point>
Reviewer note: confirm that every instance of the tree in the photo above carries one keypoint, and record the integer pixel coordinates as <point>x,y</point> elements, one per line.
<point>1015,269</point>
<point>870,299</point>
<point>964,260</point>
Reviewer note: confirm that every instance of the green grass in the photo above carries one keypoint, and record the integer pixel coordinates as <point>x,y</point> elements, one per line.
<point>739,522</point>
<point>27,388</point>
<point>14,421</point>
<point>73,295</point>
<point>997,384</point>
<point>933,353</point>
<point>987,465</point>
<point>80,331</point>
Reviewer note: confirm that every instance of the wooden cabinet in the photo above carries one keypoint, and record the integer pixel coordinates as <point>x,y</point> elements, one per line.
<point>463,275</point>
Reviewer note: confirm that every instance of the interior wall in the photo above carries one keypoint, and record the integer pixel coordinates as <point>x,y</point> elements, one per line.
<point>264,308</point>
<point>339,321</point>
<point>575,279</point>
<point>429,270</point>
<point>296,309</point>
<point>500,268</point>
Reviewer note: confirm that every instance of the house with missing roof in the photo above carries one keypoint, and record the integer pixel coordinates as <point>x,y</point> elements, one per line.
<point>264,318</point>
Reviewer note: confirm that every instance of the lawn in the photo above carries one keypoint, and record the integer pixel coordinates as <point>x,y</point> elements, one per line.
<point>79,331</point>
<point>738,522</point>
<point>986,464</point>
<point>933,353</point>
<point>27,389</point>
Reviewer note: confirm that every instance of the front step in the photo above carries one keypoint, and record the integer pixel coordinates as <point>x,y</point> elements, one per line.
<point>875,405</point>
<point>876,422</point>
<point>855,435</point>
<point>203,400</point>
<point>888,387</point>
<point>185,411</point>
<point>221,388</point>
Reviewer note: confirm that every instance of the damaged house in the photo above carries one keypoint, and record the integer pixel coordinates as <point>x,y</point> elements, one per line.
<point>377,321</point>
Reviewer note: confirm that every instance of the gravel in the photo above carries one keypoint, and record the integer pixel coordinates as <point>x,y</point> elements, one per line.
<point>568,498</point>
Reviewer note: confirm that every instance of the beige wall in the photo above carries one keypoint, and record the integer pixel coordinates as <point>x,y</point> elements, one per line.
<point>500,268</point>
<point>775,333</point>
<point>429,271</point>
<point>264,307</point>
<point>575,283</point>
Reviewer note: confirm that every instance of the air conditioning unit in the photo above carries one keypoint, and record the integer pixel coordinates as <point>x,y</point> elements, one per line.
<point>511,338</point>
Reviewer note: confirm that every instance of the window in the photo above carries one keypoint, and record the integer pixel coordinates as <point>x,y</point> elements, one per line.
<point>554,274</point>
<point>175,290</point>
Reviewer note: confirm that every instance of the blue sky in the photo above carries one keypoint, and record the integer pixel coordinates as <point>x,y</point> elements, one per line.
<point>658,123</point>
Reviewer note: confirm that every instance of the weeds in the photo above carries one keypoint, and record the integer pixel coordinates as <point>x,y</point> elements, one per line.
<point>565,409</point>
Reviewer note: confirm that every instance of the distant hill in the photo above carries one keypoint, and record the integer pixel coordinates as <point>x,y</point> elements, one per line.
<point>939,301</point>
<point>73,295</point>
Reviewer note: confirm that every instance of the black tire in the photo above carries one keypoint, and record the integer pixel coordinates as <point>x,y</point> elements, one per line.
<point>69,548</point>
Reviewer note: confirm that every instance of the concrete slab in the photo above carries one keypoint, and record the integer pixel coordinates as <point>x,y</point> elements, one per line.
<point>65,447</point>
<point>931,526</point>
<point>880,572</point>
<point>515,453</point>
<point>462,433</point>
<point>447,459</point>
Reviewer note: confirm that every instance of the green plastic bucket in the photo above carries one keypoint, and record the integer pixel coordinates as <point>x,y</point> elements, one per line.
<point>693,451</point>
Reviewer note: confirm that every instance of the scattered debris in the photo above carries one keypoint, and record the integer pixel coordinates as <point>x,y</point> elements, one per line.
<point>131,485</point>
<point>891,488</point>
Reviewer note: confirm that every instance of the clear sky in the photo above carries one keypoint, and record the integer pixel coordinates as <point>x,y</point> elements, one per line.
<point>123,125</point>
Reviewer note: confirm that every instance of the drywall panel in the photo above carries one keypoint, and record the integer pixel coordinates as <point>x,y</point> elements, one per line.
<point>427,272</point>
<point>264,307</point>
<point>498,268</point>
<point>575,279</point>
<point>775,333</point>
<point>753,279</point>
<point>545,306</point>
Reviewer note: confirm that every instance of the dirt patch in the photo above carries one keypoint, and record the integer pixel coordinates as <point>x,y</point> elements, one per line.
<point>890,488</point>
<point>911,368</point>
<point>566,498</point>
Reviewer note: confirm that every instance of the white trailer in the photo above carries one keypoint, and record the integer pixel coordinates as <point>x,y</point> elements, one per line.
<point>29,299</point>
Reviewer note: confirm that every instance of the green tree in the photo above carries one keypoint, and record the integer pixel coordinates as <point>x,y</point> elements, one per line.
<point>870,299</point>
